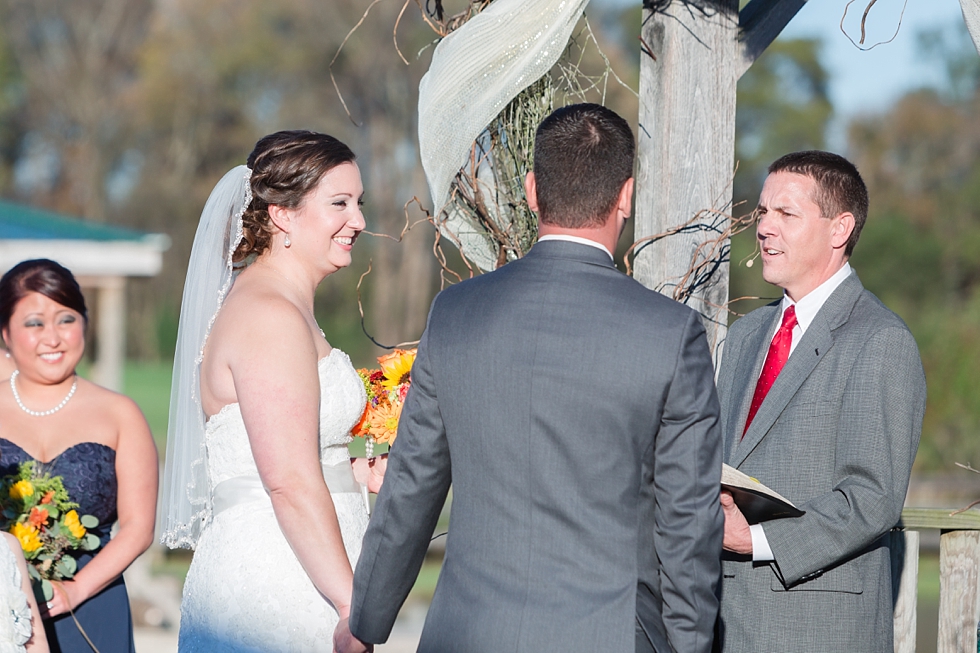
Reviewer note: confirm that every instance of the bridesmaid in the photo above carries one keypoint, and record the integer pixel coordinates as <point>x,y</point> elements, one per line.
<point>97,440</point>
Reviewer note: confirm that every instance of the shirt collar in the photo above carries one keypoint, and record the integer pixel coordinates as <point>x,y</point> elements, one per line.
<point>808,307</point>
<point>577,239</point>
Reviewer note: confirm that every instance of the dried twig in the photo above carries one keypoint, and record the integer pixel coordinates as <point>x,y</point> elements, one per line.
<point>708,255</point>
<point>969,468</point>
<point>864,19</point>
<point>360,309</point>
<point>337,54</point>
<point>394,32</point>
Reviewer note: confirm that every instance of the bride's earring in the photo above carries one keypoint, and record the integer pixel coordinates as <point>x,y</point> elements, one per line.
<point>288,242</point>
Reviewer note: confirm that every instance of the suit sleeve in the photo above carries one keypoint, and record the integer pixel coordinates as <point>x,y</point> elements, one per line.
<point>687,476</point>
<point>878,434</point>
<point>414,491</point>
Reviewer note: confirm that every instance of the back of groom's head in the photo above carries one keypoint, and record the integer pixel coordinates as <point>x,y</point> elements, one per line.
<point>583,154</point>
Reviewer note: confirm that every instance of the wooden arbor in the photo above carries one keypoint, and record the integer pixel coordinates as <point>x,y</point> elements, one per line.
<point>694,52</point>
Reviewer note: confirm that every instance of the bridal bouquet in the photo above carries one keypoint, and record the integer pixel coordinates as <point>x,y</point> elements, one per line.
<point>386,390</point>
<point>35,508</point>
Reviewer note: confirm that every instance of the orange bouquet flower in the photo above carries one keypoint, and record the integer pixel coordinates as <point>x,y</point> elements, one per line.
<point>386,390</point>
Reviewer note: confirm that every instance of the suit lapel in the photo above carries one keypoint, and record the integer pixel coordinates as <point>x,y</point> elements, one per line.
<point>814,345</point>
<point>747,370</point>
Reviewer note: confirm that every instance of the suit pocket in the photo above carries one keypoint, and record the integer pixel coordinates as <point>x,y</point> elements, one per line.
<point>839,579</point>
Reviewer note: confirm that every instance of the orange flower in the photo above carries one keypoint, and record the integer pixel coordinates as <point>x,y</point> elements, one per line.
<point>48,497</point>
<point>361,428</point>
<point>382,423</point>
<point>38,517</point>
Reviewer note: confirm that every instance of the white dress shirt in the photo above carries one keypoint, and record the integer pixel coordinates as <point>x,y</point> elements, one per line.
<point>576,239</point>
<point>806,309</point>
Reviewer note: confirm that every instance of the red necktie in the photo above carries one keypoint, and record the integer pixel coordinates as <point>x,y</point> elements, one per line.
<point>775,359</point>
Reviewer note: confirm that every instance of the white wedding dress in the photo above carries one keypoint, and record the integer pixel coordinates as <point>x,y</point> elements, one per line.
<point>15,615</point>
<point>245,590</point>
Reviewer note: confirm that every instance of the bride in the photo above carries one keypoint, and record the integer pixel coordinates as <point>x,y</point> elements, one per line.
<point>258,479</point>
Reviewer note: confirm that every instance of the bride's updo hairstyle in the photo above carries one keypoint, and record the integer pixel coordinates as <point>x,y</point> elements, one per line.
<point>286,167</point>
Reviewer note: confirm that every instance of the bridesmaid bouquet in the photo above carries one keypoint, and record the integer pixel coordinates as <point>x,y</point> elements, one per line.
<point>35,508</point>
<point>386,390</point>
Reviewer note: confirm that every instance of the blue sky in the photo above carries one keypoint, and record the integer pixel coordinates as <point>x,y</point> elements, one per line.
<point>863,82</point>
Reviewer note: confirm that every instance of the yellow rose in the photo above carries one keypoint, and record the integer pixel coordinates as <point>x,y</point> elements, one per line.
<point>27,534</point>
<point>21,490</point>
<point>73,525</point>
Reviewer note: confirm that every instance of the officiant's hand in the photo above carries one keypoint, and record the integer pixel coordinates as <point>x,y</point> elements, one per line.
<point>370,471</point>
<point>738,536</point>
<point>345,642</point>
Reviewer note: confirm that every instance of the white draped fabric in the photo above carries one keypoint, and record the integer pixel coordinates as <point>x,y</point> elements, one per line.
<point>475,72</point>
<point>971,14</point>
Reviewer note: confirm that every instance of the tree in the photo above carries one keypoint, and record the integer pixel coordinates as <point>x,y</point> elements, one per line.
<point>920,250</point>
<point>76,62</point>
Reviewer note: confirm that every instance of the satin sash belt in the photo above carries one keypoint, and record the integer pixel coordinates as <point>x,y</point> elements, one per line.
<point>246,489</point>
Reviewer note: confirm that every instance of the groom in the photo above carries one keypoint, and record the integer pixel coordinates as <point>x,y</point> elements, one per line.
<point>574,413</point>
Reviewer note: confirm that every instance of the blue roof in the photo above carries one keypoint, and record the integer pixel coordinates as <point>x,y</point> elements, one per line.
<point>22,222</point>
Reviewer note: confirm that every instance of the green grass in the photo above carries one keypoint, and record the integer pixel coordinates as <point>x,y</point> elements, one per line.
<point>148,384</point>
<point>928,588</point>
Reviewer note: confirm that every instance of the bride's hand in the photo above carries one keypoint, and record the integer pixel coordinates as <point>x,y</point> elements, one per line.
<point>370,471</point>
<point>377,467</point>
<point>345,642</point>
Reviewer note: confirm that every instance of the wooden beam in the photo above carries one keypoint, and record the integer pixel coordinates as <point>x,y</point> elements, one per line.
<point>686,148</point>
<point>761,21</point>
<point>939,518</point>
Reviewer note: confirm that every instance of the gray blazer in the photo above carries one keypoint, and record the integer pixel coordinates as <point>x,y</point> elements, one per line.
<point>836,435</point>
<point>574,413</point>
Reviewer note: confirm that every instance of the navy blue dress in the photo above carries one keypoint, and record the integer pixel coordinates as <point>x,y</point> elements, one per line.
<point>89,473</point>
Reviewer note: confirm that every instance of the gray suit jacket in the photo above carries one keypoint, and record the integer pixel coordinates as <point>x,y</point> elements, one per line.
<point>836,435</point>
<point>574,413</point>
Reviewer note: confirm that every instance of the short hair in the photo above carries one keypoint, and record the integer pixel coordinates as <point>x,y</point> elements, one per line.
<point>286,167</point>
<point>839,187</point>
<point>583,154</point>
<point>43,276</point>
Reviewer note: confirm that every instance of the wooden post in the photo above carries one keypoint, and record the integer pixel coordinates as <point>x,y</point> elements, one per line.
<point>904,546</point>
<point>693,53</point>
<point>959,591</point>
<point>686,145</point>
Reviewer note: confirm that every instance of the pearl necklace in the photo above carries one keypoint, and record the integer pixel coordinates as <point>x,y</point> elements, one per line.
<point>40,413</point>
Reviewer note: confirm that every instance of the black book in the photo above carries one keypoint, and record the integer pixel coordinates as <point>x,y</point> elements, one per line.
<point>756,501</point>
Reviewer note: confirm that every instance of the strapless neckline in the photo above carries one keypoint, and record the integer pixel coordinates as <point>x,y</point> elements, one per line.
<point>61,453</point>
<point>229,407</point>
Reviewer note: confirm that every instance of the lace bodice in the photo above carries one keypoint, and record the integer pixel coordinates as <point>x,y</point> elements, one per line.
<point>342,399</point>
<point>15,616</point>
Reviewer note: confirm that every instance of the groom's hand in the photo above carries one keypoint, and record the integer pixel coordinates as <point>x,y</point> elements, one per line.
<point>345,642</point>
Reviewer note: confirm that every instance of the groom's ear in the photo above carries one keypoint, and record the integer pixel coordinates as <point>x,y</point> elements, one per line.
<point>531,190</point>
<point>624,204</point>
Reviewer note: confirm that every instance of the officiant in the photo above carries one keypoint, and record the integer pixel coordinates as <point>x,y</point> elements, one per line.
<point>822,398</point>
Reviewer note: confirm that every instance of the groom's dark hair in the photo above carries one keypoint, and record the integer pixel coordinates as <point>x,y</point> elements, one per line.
<point>583,154</point>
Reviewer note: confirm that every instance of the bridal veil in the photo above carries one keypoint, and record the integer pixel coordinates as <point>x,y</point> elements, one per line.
<point>186,497</point>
